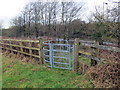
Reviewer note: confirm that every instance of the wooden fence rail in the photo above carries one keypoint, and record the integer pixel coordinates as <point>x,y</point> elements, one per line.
<point>110,48</point>
<point>20,48</point>
<point>95,48</point>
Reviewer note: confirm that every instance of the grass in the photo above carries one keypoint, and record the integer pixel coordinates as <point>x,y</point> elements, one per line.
<point>18,74</point>
<point>85,60</point>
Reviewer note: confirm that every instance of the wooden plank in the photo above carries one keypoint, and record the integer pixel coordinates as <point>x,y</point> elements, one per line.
<point>110,48</point>
<point>21,46</point>
<point>86,53</point>
<point>20,40</point>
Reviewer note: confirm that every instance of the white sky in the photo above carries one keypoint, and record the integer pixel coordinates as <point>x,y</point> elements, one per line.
<point>11,8</point>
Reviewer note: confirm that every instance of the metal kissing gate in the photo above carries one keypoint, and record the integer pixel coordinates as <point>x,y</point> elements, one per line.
<point>58,54</point>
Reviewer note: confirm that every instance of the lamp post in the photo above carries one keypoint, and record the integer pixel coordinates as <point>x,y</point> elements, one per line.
<point>104,3</point>
<point>118,20</point>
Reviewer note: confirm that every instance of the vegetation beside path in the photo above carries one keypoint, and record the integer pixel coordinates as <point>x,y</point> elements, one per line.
<point>18,74</point>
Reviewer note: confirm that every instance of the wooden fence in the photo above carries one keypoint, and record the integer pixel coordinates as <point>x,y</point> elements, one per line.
<point>33,48</point>
<point>93,52</point>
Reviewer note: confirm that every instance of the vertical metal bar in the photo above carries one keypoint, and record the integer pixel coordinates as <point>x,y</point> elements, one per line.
<point>43,53</point>
<point>67,41</point>
<point>51,55</point>
<point>73,57</point>
<point>60,46</point>
<point>69,57</point>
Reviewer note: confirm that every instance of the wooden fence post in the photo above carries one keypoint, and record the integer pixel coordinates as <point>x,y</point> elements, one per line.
<point>10,46</point>
<point>21,49</point>
<point>41,50</point>
<point>30,50</point>
<point>76,56</point>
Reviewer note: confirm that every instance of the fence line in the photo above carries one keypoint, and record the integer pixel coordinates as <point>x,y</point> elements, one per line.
<point>10,44</point>
<point>7,44</point>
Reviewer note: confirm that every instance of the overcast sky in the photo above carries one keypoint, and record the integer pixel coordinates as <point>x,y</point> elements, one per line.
<point>11,8</point>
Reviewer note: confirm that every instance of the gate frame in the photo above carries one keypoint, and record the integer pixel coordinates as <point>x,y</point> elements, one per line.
<point>51,50</point>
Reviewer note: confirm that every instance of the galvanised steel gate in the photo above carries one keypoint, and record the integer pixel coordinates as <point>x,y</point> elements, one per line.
<point>58,54</point>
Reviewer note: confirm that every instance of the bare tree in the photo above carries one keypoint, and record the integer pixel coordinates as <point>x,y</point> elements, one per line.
<point>29,17</point>
<point>24,15</point>
<point>36,18</point>
<point>70,11</point>
<point>48,18</point>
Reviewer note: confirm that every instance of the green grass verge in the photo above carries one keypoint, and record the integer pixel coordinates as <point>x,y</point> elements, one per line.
<point>18,74</point>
